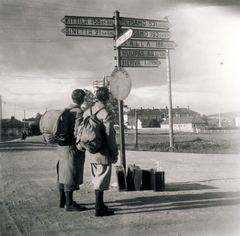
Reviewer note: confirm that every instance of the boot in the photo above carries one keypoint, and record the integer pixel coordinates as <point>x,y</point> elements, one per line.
<point>62,201</point>
<point>71,205</point>
<point>100,210</point>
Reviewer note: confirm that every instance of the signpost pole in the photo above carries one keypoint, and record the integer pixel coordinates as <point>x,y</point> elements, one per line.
<point>171,147</point>
<point>0,118</point>
<point>120,102</point>
<point>136,128</point>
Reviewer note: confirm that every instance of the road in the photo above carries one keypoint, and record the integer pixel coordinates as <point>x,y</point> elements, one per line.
<point>202,196</point>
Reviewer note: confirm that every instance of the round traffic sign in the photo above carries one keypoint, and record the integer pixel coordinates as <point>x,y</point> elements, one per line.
<point>120,83</point>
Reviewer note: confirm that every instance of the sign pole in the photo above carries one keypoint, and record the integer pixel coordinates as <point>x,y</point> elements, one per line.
<point>120,102</point>
<point>0,119</point>
<point>136,128</point>
<point>171,147</point>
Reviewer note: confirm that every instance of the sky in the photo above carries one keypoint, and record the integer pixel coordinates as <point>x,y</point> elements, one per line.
<point>40,66</point>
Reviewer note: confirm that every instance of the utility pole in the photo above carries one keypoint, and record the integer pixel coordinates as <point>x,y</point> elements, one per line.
<point>120,102</point>
<point>24,121</point>
<point>0,119</point>
<point>136,128</point>
<point>171,147</point>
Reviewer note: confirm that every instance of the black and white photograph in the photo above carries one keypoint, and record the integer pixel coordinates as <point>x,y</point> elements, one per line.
<point>120,117</point>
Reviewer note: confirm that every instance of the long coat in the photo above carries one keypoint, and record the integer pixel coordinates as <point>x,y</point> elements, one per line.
<point>71,161</point>
<point>109,150</point>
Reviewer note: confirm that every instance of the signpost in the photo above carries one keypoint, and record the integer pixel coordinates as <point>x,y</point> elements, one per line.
<point>123,38</point>
<point>89,32</point>
<point>88,21</point>
<point>153,34</point>
<point>151,44</point>
<point>149,41</point>
<point>144,23</point>
<point>128,53</point>
<point>139,63</point>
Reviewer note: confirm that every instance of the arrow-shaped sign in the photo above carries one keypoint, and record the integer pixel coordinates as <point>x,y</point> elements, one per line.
<point>139,63</point>
<point>153,34</point>
<point>88,21</point>
<point>151,44</point>
<point>88,32</point>
<point>137,53</point>
<point>144,23</point>
<point>123,38</point>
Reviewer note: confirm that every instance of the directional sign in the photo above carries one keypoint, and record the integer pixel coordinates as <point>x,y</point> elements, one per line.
<point>128,53</point>
<point>151,44</point>
<point>139,63</point>
<point>123,38</point>
<point>154,34</point>
<point>89,32</point>
<point>144,23</point>
<point>88,21</point>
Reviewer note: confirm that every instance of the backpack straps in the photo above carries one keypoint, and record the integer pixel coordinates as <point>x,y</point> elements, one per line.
<point>95,112</point>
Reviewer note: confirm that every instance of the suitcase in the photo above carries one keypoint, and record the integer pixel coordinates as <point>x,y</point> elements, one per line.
<point>146,180</point>
<point>157,180</point>
<point>121,178</point>
<point>134,177</point>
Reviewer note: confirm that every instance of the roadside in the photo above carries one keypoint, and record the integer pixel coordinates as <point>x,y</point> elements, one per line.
<point>202,196</point>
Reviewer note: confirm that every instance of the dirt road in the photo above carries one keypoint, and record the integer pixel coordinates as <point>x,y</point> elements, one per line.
<point>202,196</point>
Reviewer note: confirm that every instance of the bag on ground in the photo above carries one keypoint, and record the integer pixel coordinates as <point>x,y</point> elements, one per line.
<point>54,125</point>
<point>134,177</point>
<point>90,133</point>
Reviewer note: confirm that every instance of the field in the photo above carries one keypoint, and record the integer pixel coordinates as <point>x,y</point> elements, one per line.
<point>220,143</point>
<point>224,143</point>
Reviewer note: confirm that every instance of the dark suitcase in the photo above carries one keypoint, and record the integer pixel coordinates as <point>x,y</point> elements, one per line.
<point>134,177</point>
<point>146,180</point>
<point>157,180</point>
<point>121,178</point>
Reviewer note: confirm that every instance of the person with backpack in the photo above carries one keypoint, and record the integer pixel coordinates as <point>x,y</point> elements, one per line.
<point>71,160</point>
<point>101,162</point>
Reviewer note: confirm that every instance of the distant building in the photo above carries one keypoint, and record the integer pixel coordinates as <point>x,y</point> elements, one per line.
<point>190,124</point>
<point>159,115</point>
<point>228,119</point>
<point>12,126</point>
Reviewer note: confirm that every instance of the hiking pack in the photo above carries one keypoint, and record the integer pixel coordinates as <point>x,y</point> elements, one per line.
<point>90,133</point>
<point>54,125</point>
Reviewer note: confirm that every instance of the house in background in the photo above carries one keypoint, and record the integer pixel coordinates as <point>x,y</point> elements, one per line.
<point>12,126</point>
<point>159,115</point>
<point>228,119</point>
<point>192,124</point>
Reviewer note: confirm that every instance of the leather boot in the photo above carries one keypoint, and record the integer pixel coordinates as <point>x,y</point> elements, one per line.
<point>62,201</point>
<point>100,210</point>
<point>71,205</point>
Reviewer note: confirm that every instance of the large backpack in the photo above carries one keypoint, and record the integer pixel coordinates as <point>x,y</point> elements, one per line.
<point>54,125</point>
<point>90,133</point>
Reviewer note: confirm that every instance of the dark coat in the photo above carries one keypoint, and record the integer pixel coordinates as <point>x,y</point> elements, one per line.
<point>71,160</point>
<point>109,150</point>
